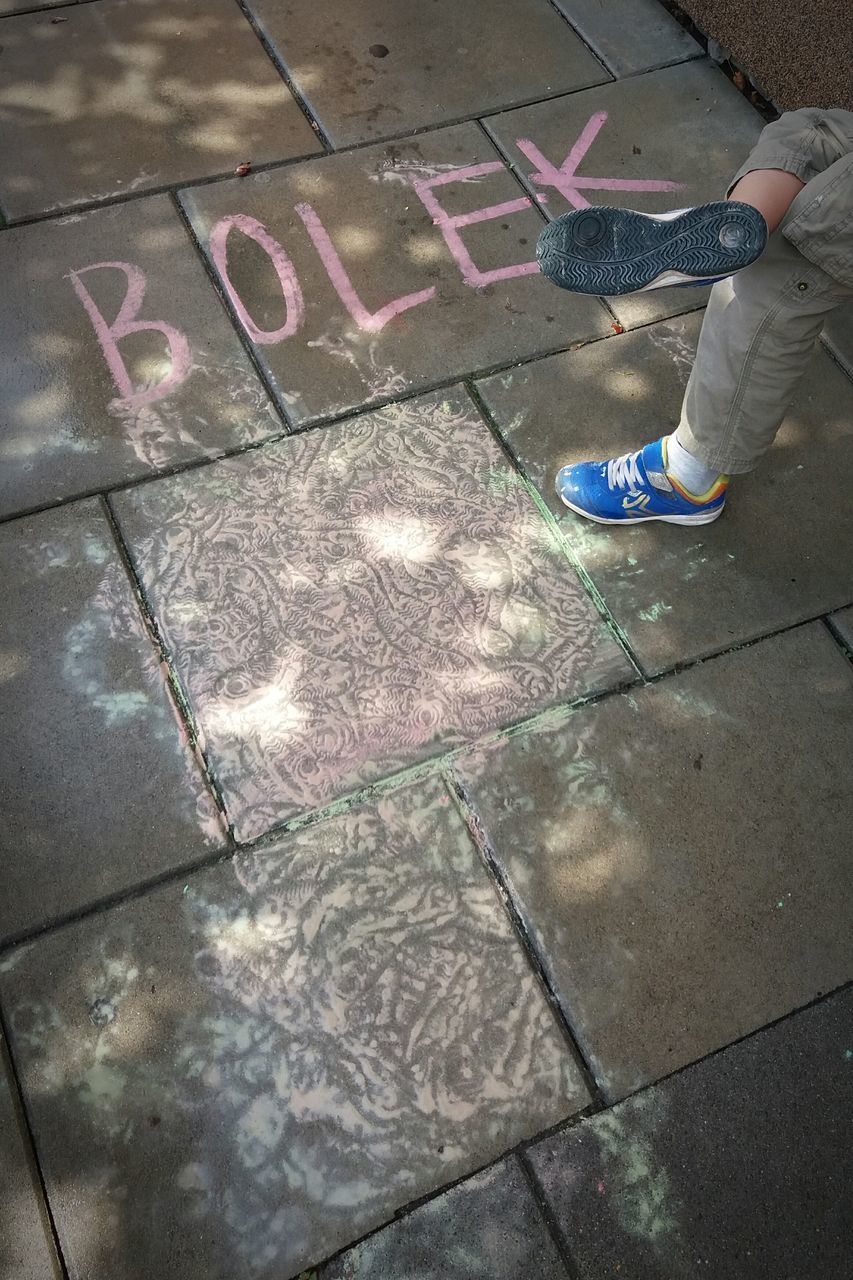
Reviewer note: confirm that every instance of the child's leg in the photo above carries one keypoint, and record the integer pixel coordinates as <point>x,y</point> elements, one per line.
<point>761,325</point>
<point>757,339</point>
<point>770,191</point>
<point>760,328</point>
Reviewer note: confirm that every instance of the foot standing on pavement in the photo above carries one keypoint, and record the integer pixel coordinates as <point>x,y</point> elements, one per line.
<point>779,250</point>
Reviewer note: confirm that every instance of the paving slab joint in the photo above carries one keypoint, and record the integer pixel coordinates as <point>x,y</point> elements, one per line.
<point>345,415</point>
<point>560,1242</point>
<point>25,1127</point>
<point>224,853</point>
<point>319,1270</point>
<point>44,8</point>
<point>477,831</point>
<point>268,166</point>
<point>561,542</point>
<point>838,635</point>
<point>436,766</point>
<point>699,56</point>
<point>579,35</point>
<point>483,123</point>
<point>145,193</point>
<point>344,804</point>
<point>511,165</point>
<point>651,1085</point>
<point>678,668</point>
<point>285,75</point>
<point>516,173</point>
<point>657,66</point>
<point>177,469</point>
<point>174,686</point>
<point>242,336</point>
<point>767,109</point>
<point>406,1210</point>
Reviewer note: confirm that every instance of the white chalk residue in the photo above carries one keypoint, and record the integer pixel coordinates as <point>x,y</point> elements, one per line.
<point>406,171</point>
<point>681,352</point>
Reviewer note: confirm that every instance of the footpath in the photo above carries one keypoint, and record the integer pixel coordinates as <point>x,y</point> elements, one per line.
<point>401,878</point>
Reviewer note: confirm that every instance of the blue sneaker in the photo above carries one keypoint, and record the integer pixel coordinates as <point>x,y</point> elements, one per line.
<point>635,488</point>
<point>609,251</point>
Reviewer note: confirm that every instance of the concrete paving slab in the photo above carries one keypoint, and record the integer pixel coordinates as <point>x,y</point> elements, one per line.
<point>125,95</point>
<point>684,130</point>
<point>487,1228</point>
<point>119,359</point>
<point>269,1061</point>
<point>838,336</point>
<point>678,896</point>
<point>100,792</point>
<point>353,600</point>
<point>631,36</point>
<point>770,561</point>
<point>738,1167</point>
<point>26,1250</point>
<point>384,69</point>
<point>352,294</point>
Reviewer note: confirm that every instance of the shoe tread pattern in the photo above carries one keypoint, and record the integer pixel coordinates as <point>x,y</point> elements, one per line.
<point>636,250</point>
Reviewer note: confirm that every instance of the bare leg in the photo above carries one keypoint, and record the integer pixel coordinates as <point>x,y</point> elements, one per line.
<point>770,191</point>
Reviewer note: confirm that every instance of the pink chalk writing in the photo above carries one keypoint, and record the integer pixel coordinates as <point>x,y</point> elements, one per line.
<point>448,226</point>
<point>371,321</point>
<point>566,180</point>
<point>284,269</point>
<point>110,334</point>
<point>563,178</point>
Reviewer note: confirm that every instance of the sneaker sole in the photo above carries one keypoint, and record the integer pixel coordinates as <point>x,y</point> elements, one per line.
<point>604,251</point>
<point>701,517</point>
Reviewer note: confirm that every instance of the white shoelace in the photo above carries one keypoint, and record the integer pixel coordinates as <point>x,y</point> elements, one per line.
<point>623,473</point>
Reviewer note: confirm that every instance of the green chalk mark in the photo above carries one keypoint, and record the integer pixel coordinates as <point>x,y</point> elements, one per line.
<point>118,708</point>
<point>562,547</point>
<point>656,612</point>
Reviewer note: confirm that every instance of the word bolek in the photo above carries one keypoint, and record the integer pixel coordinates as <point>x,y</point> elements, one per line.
<point>563,179</point>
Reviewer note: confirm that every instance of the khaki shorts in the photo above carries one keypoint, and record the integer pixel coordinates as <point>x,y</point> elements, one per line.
<point>762,324</point>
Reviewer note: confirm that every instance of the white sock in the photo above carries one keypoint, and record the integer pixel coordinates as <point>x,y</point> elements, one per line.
<point>692,474</point>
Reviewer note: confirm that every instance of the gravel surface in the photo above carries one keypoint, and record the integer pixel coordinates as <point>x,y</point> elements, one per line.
<point>797,54</point>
